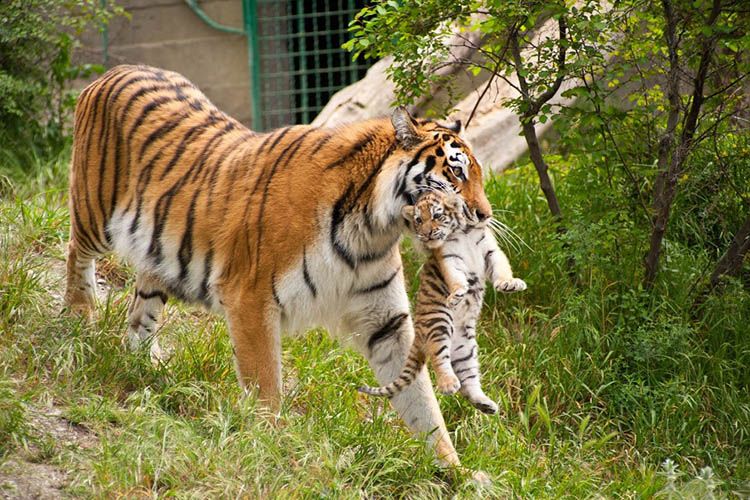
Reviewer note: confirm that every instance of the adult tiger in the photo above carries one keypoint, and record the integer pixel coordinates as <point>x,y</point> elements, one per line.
<point>278,231</point>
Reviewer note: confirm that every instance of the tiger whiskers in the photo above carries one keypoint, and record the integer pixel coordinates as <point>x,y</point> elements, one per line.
<point>506,235</point>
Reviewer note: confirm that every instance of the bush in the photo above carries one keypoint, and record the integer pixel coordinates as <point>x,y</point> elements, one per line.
<point>36,44</point>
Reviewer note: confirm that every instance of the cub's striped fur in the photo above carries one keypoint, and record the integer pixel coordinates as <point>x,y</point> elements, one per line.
<point>277,231</point>
<point>450,296</point>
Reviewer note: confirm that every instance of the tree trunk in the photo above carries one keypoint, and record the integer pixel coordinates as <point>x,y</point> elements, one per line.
<point>532,107</point>
<point>731,262</point>
<point>535,152</point>
<point>670,158</point>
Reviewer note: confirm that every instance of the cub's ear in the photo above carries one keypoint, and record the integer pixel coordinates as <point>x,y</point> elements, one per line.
<point>456,127</point>
<point>406,128</point>
<point>407,212</point>
<point>453,202</point>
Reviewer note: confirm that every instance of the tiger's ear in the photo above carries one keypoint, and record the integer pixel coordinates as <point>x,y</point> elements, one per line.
<point>406,128</point>
<point>407,212</point>
<point>456,127</point>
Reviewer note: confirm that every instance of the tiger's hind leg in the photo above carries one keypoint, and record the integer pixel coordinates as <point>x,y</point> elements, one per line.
<point>143,316</point>
<point>80,289</point>
<point>465,360</point>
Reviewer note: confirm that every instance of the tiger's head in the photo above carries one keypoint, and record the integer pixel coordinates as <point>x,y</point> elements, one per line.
<point>439,160</point>
<point>434,216</point>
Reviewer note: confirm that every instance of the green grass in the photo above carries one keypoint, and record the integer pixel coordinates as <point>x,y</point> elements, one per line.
<point>597,385</point>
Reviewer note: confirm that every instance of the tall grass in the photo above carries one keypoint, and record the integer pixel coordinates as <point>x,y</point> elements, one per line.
<point>598,384</point>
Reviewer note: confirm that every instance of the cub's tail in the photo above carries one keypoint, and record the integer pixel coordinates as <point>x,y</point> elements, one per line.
<point>414,363</point>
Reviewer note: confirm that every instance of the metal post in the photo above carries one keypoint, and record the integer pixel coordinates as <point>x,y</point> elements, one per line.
<point>302,61</point>
<point>250,17</point>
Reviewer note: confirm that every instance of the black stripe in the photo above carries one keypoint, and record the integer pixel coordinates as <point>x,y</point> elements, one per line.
<point>145,111</point>
<point>164,129</point>
<point>353,151</point>
<point>285,156</point>
<point>306,275</point>
<point>185,253</point>
<point>452,256</point>
<point>144,179</point>
<point>466,358</point>
<point>207,267</point>
<point>278,139</point>
<point>389,329</point>
<point>379,285</point>
<point>186,139</point>
<point>141,92</point>
<point>150,295</point>
<point>163,205</point>
<point>371,177</point>
<point>429,323</point>
<point>337,218</point>
<point>441,350</point>
<point>429,164</point>
<point>487,261</point>
<point>321,143</point>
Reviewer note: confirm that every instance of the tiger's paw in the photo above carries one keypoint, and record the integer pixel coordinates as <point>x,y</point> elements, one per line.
<point>481,479</point>
<point>158,355</point>
<point>448,384</point>
<point>457,297</point>
<point>510,286</point>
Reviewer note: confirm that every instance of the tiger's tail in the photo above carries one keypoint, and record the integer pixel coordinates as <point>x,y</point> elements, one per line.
<point>414,363</point>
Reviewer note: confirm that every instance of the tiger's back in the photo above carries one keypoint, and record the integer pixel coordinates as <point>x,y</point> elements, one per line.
<point>166,180</point>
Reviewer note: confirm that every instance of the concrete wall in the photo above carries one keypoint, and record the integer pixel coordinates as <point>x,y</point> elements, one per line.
<point>168,34</point>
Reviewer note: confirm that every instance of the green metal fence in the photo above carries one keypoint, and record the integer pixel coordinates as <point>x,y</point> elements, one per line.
<point>295,58</point>
<point>301,63</point>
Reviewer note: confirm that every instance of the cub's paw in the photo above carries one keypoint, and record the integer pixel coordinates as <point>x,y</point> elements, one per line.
<point>485,405</point>
<point>511,285</point>
<point>457,297</point>
<point>448,384</point>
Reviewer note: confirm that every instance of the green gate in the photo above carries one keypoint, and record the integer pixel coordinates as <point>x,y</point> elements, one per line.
<point>294,56</point>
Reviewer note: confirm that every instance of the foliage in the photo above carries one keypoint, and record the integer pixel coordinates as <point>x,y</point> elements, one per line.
<point>657,87</point>
<point>37,41</point>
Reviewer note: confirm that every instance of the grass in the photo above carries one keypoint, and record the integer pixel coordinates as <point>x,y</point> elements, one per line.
<point>602,393</point>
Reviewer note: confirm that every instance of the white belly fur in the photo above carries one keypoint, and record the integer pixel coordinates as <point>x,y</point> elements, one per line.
<point>334,282</point>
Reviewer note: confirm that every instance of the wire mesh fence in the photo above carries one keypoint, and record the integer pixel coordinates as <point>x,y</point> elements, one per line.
<point>301,61</point>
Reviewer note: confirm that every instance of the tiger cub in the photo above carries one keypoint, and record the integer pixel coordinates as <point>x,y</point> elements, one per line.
<point>450,297</point>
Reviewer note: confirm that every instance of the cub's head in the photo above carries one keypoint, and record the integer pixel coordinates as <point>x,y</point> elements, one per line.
<point>434,216</point>
<point>439,160</point>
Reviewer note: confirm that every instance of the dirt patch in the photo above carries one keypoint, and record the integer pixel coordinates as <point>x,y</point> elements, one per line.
<point>27,473</point>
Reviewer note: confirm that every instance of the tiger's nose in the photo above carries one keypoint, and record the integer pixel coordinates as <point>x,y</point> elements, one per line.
<point>482,216</point>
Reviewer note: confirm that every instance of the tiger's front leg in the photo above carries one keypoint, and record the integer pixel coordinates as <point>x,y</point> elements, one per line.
<point>383,332</point>
<point>254,329</point>
<point>384,337</point>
